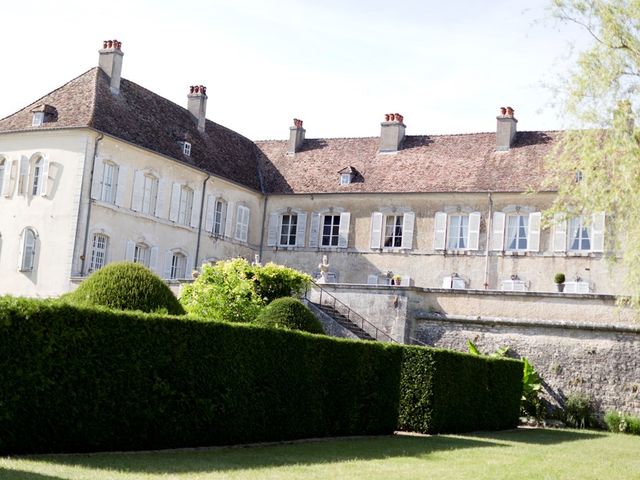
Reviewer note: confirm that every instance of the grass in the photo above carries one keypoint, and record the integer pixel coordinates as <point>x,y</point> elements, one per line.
<point>530,454</point>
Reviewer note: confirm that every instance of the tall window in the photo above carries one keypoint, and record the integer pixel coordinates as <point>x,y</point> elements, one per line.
<point>516,232</point>
<point>109,181</point>
<point>3,164</point>
<point>579,238</point>
<point>141,254</point>
<point>98,251</point>
<point>288,229</point>
<point>186,206</point>
<point>393,230</point>
<point>149,194</point>
<point>37,177</point>
<point>28,250</point>
<point>330,230</point>
<point>218,218</point>
<point>458,232</point>
<point>242,224</point>
<point>178,266</point>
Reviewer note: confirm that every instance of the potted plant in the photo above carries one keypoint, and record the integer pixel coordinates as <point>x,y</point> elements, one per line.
<point>559,279</point>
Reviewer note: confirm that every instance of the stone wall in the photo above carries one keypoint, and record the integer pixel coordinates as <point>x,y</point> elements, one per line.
<point>579,343</point>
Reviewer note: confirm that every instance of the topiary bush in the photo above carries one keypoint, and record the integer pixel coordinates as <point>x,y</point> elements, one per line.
<point>289,313</point>
<point>126,286</point>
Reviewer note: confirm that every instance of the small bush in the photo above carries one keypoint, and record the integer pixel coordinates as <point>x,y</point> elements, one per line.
<point>559,278</point>
<point>579,411</point>
<point>289,313</point>
<point>126,286</point>
<point>235,291</point>
<point>618,422</point>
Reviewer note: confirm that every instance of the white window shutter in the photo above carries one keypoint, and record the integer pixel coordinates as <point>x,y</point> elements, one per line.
<point>372,279</point>
<point>559,233</point>
<point>9,181</point>
<point>44,178</point>
<point>446,282</point>
<point>211,212</point>
<point>314,231</point>
<point>301,229</point>
<point>597,232</point>
<point>343,230</point>
<point>405,281</point>
<point>497,231</point>
<point>162,197</point>
<point>131,246</point>
<point>195,209</point>
<point>23,180</point>
<point>190,265</point>
<point>474,231</point>
<point>138,191</point>
<point>119,177</point>
<point>272,235</point>
<point>21,251</point>
<point>440,231</point>
<point>176,189</point>
<point>408,221</point>
<point>153,259</point>
<point>168,255</point>
<point>228,223</point>
<point>533,242</point>
<point>96,183</point>
<point>376,229</point>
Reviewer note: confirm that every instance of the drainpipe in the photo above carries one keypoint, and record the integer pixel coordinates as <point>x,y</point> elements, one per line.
<point>86,228</point>
<point>204,189</point>
<point>264,219</point>
<point>486,263</point>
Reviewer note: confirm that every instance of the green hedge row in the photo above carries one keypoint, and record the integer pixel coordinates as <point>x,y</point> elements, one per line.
<point>79,379</point>
<point>445,391</point>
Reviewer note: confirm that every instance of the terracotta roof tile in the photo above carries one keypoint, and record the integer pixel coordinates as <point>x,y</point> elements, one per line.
<point>439,163</point>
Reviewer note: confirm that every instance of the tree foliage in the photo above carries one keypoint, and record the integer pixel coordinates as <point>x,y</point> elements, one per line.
<point>596,164</point>
<point>290,314</point>
<point>236,291</point>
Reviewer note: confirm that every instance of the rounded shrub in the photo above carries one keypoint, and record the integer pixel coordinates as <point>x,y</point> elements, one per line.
<point>289,313</point>
<point>126,286</point>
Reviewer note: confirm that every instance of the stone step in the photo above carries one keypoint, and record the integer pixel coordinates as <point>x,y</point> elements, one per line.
<point>345,322</point>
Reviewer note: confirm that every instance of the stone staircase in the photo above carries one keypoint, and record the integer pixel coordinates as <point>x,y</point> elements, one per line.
<point>344,321</point>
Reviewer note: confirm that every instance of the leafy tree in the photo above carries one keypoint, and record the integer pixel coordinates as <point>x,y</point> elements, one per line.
<point>596,164</point>
<point>236,291</point>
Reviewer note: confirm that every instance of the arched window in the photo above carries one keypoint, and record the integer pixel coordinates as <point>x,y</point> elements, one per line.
<point>141,254</point>
<point>178,266</point>
<point>98,251</point>
<point>28,254</point>
<point>36,185</point>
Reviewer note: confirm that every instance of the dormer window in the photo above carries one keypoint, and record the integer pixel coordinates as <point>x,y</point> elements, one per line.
<point>186,148</point>
<point>38,119</point>
<point>347,175</point>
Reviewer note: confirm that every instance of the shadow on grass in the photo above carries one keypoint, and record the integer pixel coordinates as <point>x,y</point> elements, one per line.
<point>9,474</point>
<point>540,436</point>
<point>307,453</point>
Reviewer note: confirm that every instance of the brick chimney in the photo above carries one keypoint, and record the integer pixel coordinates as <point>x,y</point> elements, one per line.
<point>506,129</point>
<point>296,136</point>
<point>197,105</point>
<point>392,132</point>
<point>110,62</point>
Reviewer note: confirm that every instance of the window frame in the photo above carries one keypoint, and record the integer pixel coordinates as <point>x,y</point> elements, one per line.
<point>96,262</point>
<point>178,265</point>
<point>291,227</point>
<point>345,178</point>
<point>462,235</point>
<point>334,230</point>
<point>149,194</point>
<point>186,148</point>
<point>524,218</point>
<point>38,119</point>
<point>29,250</point>
<point>185,205</point>
<point>37,177</point>
<point>108,190</point>
<point>394,238</point>
<point>219,217</point>
<point>581,228</point>
<point>146,254</point>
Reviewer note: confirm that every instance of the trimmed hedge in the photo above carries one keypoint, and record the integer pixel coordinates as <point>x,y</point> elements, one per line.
<point>126,286</point>
<point>289,313</point>
<point>445,391</point>
<point>87,379</point>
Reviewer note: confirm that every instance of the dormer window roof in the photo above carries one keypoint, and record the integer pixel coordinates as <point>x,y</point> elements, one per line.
<point>347,175</point>
<point>43,113</point>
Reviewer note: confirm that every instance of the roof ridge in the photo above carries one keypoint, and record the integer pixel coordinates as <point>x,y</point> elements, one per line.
<point>51,93</point>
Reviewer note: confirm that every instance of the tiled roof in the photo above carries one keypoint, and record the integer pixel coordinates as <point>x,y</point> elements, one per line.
<point>438,163</point>
<point>148,120</point>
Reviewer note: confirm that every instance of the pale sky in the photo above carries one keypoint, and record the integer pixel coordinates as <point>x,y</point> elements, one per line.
<point>337,65</point>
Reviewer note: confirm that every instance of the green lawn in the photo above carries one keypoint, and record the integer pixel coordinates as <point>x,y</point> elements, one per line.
<point>521,454</point>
